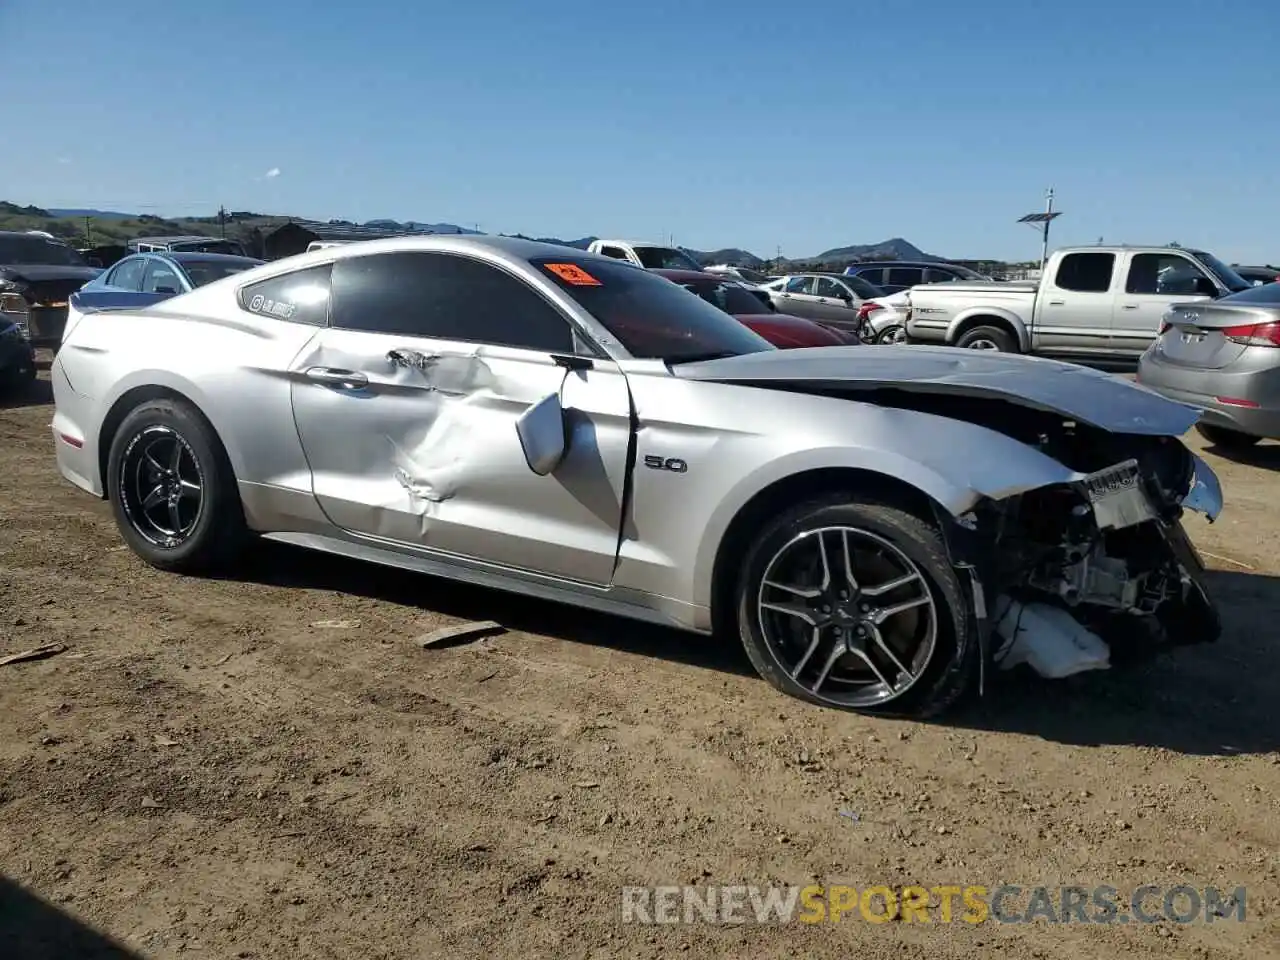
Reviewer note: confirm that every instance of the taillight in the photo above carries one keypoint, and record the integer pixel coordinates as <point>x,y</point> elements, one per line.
<point>1164,328</point>
<point>867,309</point>
<point>1255,334</point>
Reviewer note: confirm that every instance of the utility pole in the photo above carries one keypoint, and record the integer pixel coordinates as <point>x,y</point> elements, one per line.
<point>1043,220</point>
<point>222,221</point>
<point>88,231</point>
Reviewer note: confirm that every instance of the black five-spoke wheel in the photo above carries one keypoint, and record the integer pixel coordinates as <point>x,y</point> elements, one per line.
<point>172,488</point>
<point>161,486</point>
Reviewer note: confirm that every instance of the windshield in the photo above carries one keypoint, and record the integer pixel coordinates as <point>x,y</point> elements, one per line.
<point>1228,277</point>
<point>666,258</point>
<point>731,297</point>
<point>863,288</point>
<point>207,271</point>
<point>37,250</point>
<point>651,317</point>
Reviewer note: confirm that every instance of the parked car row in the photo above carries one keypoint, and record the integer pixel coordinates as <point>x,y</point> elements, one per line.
<point>880,528</point>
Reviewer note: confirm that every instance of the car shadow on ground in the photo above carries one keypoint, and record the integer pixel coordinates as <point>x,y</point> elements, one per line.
<point>33,929</point>
<point>1264,455</point>
<point>279,565</point>
<point>1212,699</point>
<point>33,394</point>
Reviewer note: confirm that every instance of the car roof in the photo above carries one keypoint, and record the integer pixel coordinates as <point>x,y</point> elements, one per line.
<point>899,263</point>
<point>672,273</point>
<point>37,234</point>
<point>516,248</point>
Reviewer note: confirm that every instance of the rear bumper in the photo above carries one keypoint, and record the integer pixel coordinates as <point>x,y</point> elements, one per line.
<point>1202,388</point>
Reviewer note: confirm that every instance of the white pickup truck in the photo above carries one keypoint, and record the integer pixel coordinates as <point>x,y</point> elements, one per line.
<point>1091,302</point>
<point>651,256</point>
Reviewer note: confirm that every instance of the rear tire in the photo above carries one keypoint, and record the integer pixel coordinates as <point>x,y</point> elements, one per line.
<point>988,338</point>
<point>172,489</point>
<point>858,653</point>
<point>1225,438</point>
<point>896,334</point>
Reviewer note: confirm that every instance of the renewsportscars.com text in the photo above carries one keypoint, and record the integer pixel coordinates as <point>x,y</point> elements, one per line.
<point>972,904</point>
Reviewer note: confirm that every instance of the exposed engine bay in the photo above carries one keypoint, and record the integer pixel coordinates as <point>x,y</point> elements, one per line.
<point>1108,550</point>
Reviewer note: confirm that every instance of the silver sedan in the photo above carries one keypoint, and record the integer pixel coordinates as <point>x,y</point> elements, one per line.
<point>1222,356</point>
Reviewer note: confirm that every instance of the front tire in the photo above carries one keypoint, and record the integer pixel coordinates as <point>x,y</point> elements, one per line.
<point>987,338</point>
<point>855,605</point>
<point>172,489</point>
<point>1225,438</point>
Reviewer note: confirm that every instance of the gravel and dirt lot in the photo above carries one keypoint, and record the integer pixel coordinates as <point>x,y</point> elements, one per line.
<point>271,767</point>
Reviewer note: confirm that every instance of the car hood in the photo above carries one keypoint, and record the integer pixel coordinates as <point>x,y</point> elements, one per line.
<point>784,330</point>
<point>35,272</point>
<point>1100,399</point>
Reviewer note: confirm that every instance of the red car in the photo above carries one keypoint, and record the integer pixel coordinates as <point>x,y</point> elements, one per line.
<point>757,312</point>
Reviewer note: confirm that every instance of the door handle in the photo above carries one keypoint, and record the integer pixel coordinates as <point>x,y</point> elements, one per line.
<point>1129,306</point>
<point>1056,303</point>
<point>332,376</point>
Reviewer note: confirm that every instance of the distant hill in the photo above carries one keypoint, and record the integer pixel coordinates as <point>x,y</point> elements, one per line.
<point>96,214</point>
<point>415,226</point>
<point>895,249</point>
<point>730,255</point>
<point>113,226</point>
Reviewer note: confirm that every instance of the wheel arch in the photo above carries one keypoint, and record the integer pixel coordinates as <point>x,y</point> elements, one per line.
<point>989,317</point>
<point>796,488</point>
<point>126,403</point>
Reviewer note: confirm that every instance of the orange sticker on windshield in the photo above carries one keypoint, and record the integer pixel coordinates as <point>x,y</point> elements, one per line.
<point>573,274</point>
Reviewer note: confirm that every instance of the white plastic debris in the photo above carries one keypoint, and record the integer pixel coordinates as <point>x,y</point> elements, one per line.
<point>1048,639</point>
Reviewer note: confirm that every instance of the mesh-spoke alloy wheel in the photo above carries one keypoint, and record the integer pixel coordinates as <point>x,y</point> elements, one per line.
<point>848,616</point>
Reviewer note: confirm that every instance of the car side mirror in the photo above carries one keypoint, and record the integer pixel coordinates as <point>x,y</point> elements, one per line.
<point>1205,287</point>
<point>171,291</point>
<point>543,435</point>
<point>847,298</point>
<point>763,297</point>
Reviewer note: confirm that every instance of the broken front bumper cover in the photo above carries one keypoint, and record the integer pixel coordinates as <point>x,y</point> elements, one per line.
<point>1049,639</point>
<point>1205,495</point>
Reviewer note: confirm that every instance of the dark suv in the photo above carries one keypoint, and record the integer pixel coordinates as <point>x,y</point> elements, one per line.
<point>37,276</point>
<point>893,276</point>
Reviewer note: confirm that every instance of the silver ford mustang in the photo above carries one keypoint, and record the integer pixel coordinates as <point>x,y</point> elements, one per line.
<point>537,419</point>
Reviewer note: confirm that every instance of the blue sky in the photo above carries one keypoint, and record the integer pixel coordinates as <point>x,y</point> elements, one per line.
<point>721,122</point>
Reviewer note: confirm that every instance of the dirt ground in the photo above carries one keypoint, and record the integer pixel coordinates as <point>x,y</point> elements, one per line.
<point>271,767</point>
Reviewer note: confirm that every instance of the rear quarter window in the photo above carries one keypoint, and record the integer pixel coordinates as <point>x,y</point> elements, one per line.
<point>298,297</point>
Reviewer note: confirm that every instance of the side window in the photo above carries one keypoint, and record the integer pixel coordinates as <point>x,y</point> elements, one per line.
<point>301,296</point>
<point>826,287</point>
<point>934,275</point>
<point>616,252</point>
<point>446,297</point>
<point>871,275</point>
<point>799,285</point>
<point>1165,273</point>
<point>905,276</point>
<point>128,275</point>
<point>160,278</point>
<point>1086,272</point>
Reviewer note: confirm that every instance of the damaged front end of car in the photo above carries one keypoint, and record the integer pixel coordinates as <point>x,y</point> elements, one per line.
<point>1095,571</point>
